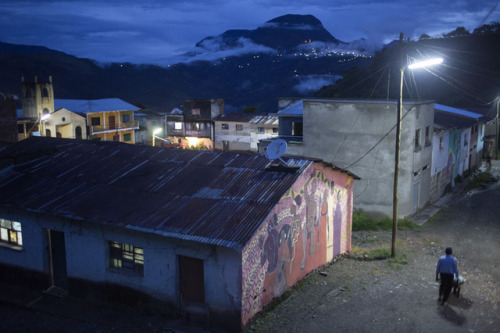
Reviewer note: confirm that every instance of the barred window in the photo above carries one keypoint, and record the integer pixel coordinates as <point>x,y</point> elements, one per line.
<point>10,234</point>
<point>126,257</point>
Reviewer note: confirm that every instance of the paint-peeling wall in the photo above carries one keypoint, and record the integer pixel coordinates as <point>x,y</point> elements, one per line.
<point>310,225</point>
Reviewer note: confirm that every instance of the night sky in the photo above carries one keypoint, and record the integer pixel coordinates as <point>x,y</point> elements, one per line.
<point>151,31</point>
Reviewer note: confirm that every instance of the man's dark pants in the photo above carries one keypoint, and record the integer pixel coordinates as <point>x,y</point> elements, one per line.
<point>445,286</point>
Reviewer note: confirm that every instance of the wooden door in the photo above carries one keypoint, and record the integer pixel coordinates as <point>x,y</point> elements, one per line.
<point>111,121</point>
<point>191,280</point>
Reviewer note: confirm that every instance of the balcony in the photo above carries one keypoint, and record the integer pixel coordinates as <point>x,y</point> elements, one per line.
<point>96,129</point>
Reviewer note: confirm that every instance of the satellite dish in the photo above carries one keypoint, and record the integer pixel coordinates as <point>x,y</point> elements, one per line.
<point>276,149</point>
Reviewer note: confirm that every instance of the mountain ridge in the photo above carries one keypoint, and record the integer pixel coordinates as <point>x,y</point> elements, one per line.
<point>245,75</point>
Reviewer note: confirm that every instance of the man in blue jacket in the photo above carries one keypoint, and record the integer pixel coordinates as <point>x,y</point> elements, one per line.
<point>446,269</point>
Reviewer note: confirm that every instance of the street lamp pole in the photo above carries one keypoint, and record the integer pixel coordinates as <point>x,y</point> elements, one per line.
<point>415,65</point>
<point>155,131</point>
<point>396,154</point>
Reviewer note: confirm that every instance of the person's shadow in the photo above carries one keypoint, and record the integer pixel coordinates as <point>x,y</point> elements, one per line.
<point>449,314</point>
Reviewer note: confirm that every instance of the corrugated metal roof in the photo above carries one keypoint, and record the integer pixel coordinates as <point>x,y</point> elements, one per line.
<point>211,197</point>
<point>456,111</point>
<point>95,105</point>
<point>296,108</point>
<point>446,120</point>
<point>265,120</point>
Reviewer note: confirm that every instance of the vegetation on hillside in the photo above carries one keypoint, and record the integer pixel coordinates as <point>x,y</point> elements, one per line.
<point>469,75</point>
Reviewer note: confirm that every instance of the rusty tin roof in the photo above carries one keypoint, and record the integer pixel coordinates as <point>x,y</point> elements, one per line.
<point>211,197</point>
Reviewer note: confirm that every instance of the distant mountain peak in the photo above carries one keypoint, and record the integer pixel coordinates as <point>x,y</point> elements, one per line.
<point>295,21</point>
<point>284,33</point>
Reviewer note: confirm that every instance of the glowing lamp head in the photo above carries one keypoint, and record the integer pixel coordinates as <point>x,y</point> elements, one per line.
<point>426,63</point>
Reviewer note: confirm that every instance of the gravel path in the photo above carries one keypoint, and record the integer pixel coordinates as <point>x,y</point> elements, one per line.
<point>353,295</point>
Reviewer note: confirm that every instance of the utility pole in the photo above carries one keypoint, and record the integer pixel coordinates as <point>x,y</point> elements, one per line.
<point>496,124</point>
<point>396,152</point>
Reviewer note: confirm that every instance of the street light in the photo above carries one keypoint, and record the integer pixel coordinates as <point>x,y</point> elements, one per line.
<point>155,131</point>
<point>419,64</point>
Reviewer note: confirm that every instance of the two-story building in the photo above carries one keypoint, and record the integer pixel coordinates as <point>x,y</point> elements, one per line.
<point>457,147</point>
<point>243,131</point>
<point>109,119</point>
<point>360,136</point>
<point>194,127</point>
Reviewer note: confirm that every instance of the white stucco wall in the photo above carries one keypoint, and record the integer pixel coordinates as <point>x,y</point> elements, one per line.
<point>360,136</point>
<point>65,122</point>
<point>87,257</point>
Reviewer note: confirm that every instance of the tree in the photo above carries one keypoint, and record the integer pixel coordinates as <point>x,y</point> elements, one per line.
<point>249,109</point>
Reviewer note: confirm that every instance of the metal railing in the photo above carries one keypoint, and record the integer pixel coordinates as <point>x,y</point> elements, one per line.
<point>114,127</point>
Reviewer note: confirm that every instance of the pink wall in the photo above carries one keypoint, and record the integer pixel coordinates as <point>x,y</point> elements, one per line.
<point>310,225</point>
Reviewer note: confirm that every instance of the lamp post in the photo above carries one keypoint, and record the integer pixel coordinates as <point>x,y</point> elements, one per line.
<point>155,131</point>
<point>415,65</point>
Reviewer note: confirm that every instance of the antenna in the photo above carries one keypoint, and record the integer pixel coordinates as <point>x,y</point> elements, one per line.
<point>276,149</point>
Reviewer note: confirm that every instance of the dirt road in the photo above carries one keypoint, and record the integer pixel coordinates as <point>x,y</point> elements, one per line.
<point>377,296</point>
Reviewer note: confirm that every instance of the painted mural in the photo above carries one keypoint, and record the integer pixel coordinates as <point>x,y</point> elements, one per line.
<point>310,225</point>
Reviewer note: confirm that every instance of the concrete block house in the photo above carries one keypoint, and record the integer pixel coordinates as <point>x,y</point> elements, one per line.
<point>216,234</point>
<point>360,136</point>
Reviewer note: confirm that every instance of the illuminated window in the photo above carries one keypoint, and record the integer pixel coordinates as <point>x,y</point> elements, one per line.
<point>196,126</point>
<point>441,142</point>
<point>195,112</point>
<point>239,127</point>
<point>126,257</point>
<point>225,126</point>
<point>10,234</point>
<point>178,125</point>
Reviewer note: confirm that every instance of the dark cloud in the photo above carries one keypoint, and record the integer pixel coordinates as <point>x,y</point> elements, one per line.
<point>152,30</point>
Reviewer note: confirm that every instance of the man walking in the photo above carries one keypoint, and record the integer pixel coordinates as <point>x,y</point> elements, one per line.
<point>446,268</point>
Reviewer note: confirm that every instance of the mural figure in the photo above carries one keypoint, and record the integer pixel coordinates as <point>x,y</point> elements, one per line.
<point>271,245</point>
<point>308,230</point>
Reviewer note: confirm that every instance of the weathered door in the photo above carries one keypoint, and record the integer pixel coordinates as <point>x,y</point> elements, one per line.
<point>111,121</point>
<point>57,258</point>
<point>191,279</point>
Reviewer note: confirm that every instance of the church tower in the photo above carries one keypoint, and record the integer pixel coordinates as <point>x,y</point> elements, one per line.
<point>37,98</point>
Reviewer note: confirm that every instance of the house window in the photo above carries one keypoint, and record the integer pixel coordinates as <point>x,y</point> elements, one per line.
<point>417,139</point>
<point>178,125</point>
<point>10,233</point>
<point>95,121</point>
<point>196,126</point>
<point>126,257</point>
<point>126,118</point>
<point>260,130</point>
<point>225,126</point>
<point>239,127</point>
<point>127,137</point>
<point>427,135</point>
<point>275,130</point>
<point>195,112</point>
<point>441,143</point>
